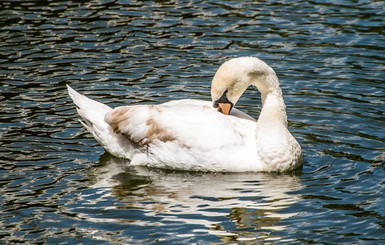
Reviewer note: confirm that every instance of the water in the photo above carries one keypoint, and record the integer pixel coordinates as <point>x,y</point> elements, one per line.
<point>58,186</point>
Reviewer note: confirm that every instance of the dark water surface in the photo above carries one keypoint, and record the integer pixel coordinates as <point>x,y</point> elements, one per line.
<point>58,186</point>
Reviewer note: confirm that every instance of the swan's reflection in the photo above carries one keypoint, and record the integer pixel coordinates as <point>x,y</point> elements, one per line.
<point>247,200</point>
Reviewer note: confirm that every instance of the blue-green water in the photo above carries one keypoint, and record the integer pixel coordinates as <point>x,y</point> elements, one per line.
<point>58,186</point>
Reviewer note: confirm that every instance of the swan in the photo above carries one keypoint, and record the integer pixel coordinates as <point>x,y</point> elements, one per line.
<point>197,135</point>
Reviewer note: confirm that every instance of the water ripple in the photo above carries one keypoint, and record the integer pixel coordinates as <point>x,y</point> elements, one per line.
<point>57,186</point>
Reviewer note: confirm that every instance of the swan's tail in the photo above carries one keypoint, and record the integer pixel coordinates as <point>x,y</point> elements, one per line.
<point>92,113</point>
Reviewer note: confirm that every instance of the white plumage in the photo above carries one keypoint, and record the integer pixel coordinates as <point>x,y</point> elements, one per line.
<point>193,135</point>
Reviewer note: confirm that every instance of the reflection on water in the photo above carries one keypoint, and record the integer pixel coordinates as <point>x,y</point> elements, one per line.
<point>208,202</point>
<point>329,56</point>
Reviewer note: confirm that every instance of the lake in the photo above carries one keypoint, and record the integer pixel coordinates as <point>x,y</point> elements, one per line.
<point>58,186</point>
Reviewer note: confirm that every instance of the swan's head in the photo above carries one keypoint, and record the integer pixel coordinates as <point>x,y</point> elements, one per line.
<point>234,76</point>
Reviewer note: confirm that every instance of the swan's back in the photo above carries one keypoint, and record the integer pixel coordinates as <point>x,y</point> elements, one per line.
<point>186,137</point>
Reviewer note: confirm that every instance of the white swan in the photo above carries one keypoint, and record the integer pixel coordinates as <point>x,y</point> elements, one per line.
<point>193,135</point>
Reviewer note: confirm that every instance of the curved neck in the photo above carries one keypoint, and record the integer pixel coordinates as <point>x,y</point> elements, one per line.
<point>273,106</point>
<point>273,109</point>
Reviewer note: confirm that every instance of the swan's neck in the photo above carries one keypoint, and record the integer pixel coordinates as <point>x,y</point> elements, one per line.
<point>273,105</point>
<point>273,110</point>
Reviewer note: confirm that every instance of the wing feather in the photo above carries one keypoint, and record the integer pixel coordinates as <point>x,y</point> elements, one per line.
<point>189,125</point>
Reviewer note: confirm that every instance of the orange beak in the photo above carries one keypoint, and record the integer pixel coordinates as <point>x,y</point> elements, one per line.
<point>225,108</point>
<point>223,104</point>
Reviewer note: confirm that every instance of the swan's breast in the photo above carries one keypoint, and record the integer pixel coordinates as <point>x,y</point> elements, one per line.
<point>277,148</point>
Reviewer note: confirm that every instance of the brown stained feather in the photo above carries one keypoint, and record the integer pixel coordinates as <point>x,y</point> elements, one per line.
<point>118,116</point>
<point>156,132</point>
